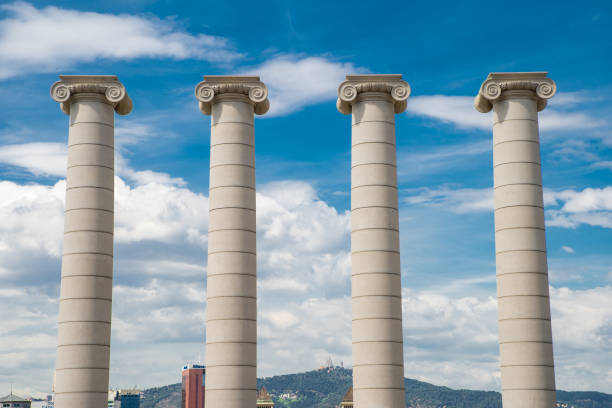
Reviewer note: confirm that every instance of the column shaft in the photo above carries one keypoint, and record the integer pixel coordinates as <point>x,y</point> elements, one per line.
<point>84,328</point>
<point>378,363</point>
<point>231,316</point>
<point>525,338</point>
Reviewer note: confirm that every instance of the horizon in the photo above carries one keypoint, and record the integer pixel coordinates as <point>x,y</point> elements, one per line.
<point>302,52</point>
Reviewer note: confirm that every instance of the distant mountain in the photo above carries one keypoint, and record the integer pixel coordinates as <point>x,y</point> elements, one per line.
<point>325,388</point>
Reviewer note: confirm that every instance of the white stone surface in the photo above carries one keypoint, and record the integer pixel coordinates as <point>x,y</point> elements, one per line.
<point>378,359</point>
<point>84,327</point>
<point>525,337</point>
<point>231,314</point>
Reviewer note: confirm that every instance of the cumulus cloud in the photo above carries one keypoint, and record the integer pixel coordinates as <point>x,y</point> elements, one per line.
<point>27,339</point>
<point>571,208</point>
<point>52,38</point>
<point>304,287</point>
<point>450,340</point>
<point>459,111</point>
<point>159,212</point>
<point>295,82</point>
<point>32,218</point>
<point>160,248</point>
<point>582,320</point>
<point>322,328</point>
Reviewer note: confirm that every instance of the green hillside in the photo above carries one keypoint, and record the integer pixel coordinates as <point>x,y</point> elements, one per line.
<point>325,388</point>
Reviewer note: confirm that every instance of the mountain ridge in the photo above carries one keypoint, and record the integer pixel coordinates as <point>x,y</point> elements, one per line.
<point>324,388</point>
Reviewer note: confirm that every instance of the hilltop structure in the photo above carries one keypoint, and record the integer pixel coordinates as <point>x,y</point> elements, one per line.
<point>525,335</point>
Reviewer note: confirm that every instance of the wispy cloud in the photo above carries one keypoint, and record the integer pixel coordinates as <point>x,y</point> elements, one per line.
<point>460,200</point>
<point>295,81</point>
<point>52,38</point>
<point>48,159</point>
<point>459,111</point>
<point>565,208</point>
<point>456,110</point>
<point>414,164</point>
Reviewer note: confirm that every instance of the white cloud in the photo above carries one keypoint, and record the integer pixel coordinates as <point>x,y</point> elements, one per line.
<point>304,271</point>
<point>49,159</point>
<point>38,158</point>
<point>163,310</point>
<point>32,217</point>
<point>591,206</point>
<point>582,320</point>
<point>159,212</point>
<point>567,249</point>
<point>321,327</point>
<point>295,82</point>
<point>52,38</point>
<point>450,340</point>
<point>460,111</point>
<point>589,199</point>
<point>453,340</point>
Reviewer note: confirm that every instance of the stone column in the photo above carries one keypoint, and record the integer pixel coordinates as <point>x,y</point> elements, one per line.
<point>525,338</point>
<point>378,358</point>
<point>231,314</point>
<point>84,328</point>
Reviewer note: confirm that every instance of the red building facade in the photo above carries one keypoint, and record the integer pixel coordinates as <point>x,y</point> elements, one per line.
<point>192,390</point>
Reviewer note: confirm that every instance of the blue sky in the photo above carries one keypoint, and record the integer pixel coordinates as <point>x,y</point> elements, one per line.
<point>302,50</point>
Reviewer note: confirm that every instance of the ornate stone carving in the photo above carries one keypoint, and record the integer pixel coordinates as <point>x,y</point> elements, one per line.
<point>497,83</point>
<point>393,85</point>
<point>249,86</point>
<point>108,85</point>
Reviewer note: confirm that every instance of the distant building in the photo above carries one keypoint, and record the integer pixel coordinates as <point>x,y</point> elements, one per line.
<point>13,401</point>
<point>263,399</point>
<point>111,399</point>
<point>192,388</point>
<point>124,398</point>
<point>46,403</point>
<point>347,401</point>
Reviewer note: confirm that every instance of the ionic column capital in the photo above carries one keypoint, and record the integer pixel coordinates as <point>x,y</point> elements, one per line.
<point>351,90</point>
<point>250,87</point>
<point>107,86</point>
<point>498,84</point>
